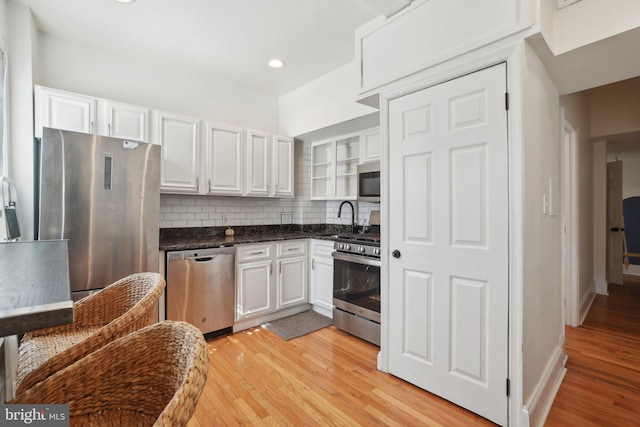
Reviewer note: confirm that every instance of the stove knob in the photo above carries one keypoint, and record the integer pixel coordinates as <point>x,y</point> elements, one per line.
<point>361,249</point>
<point>340,246</point>
<point>376,251</point>
<point>347,247</point>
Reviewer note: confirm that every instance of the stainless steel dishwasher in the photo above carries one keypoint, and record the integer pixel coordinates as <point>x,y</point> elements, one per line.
<point>201,287</point>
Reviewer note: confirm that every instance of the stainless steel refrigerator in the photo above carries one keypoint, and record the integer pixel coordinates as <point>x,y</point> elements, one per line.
<point>103,195</point>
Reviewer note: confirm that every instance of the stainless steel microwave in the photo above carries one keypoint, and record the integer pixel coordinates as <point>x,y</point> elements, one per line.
<point>369,182</point>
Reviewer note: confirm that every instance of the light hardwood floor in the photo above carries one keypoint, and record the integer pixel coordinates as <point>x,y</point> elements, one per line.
<point>330,378</point>
<point>602,385</point>
<point>324,378</point>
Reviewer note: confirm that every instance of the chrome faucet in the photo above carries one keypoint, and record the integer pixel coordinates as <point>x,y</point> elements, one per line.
<point>354,225</point>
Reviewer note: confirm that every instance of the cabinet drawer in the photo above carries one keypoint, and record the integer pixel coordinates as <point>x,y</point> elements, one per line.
<point>292,248</point>
<point>253,252</point>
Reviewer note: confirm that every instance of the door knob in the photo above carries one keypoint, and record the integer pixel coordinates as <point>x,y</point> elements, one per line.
<point>396,253</point>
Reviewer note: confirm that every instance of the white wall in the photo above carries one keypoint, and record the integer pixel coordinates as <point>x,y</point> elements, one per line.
<point>70,66</point>
<point>543,333</point>
<point>21,48</point>
<point>630,174</point>
<point>586,22</point>
<point>577,109</point>
<point>614,108</point>
<point>326,101</point>
<point>4,30</point>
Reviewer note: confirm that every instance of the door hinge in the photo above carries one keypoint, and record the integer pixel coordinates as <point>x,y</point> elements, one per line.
<point>508,387</point>
<point>506,100</point>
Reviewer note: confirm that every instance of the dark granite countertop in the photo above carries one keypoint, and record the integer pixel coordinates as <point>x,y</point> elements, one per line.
<point>178,239</point>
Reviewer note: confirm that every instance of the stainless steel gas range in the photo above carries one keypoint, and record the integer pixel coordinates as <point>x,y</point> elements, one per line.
<point>356,286</point>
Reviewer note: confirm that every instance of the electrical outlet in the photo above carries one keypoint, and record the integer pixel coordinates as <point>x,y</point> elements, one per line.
<point>225,219</point>
<point>286,217</point>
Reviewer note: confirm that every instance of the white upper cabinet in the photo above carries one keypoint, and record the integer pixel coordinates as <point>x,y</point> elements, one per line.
<point>334,164</point>
<point>64,110</point>
<point>180,158</point>
<point>224,158</point>
<point>124,121</point>
<point>283,166</point>
<point>370,146</point>
<point>258,164</point>
<point>347,159</point>
<point>80,113</point>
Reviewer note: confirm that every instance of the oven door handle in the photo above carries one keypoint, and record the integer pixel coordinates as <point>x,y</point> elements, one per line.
<point>357,259</point>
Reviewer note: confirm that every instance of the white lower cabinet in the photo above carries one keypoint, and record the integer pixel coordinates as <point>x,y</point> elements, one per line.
<point>255,289</point>
<point>321,277</point>
<point>261,296</point>
<point>292,273</point>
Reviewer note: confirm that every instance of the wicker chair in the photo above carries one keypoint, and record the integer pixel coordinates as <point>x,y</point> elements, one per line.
<point>117,310</point>
<point>153,376</point>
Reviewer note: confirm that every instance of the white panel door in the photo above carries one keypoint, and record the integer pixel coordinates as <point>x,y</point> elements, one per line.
<point>448,296</point>
<point>224,159</point>
<point>180,159</point>
<point>258,160</point>
<point>615,223</point>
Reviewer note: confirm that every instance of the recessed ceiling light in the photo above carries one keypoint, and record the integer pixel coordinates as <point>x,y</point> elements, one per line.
<point>276,63</point>
<point>125,1</point>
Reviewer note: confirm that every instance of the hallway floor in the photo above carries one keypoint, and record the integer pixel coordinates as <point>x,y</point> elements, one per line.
<point>602,385</point>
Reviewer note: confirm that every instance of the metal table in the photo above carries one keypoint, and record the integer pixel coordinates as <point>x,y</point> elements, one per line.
<point>34,286</point>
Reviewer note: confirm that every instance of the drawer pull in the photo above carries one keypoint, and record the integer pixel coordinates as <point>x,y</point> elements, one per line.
<point>257,253</point>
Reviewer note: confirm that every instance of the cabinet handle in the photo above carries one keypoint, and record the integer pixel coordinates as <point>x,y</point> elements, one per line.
<point>91,126</point>
<point>271,268</point>
<point>280,269</point>
<point>109,127</point>
<point>209,189</point>
<point>257,253</point>
<point>292,249</point>
<point>313,264</point>
<point>197,182</point>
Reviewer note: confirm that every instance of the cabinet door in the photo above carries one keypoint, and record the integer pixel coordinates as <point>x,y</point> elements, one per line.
<point>254,289</point>
<point>64,110</point>
<point>282,166</point>
<point>125,121</point>
<point>224,160</point>
<point>370,146</point>
<point>257,164</point>
<point>321,280</point>
<point>180,165</point>
<point>292,281</point>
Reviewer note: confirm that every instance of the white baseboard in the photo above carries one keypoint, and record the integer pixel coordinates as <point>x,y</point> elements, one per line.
<point>325,311</point>
<point>633,270</point>
<point>585,306</point>
<point>538,406</point>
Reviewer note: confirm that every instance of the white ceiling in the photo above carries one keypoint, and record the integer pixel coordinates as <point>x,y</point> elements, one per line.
<point>230,40</point>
